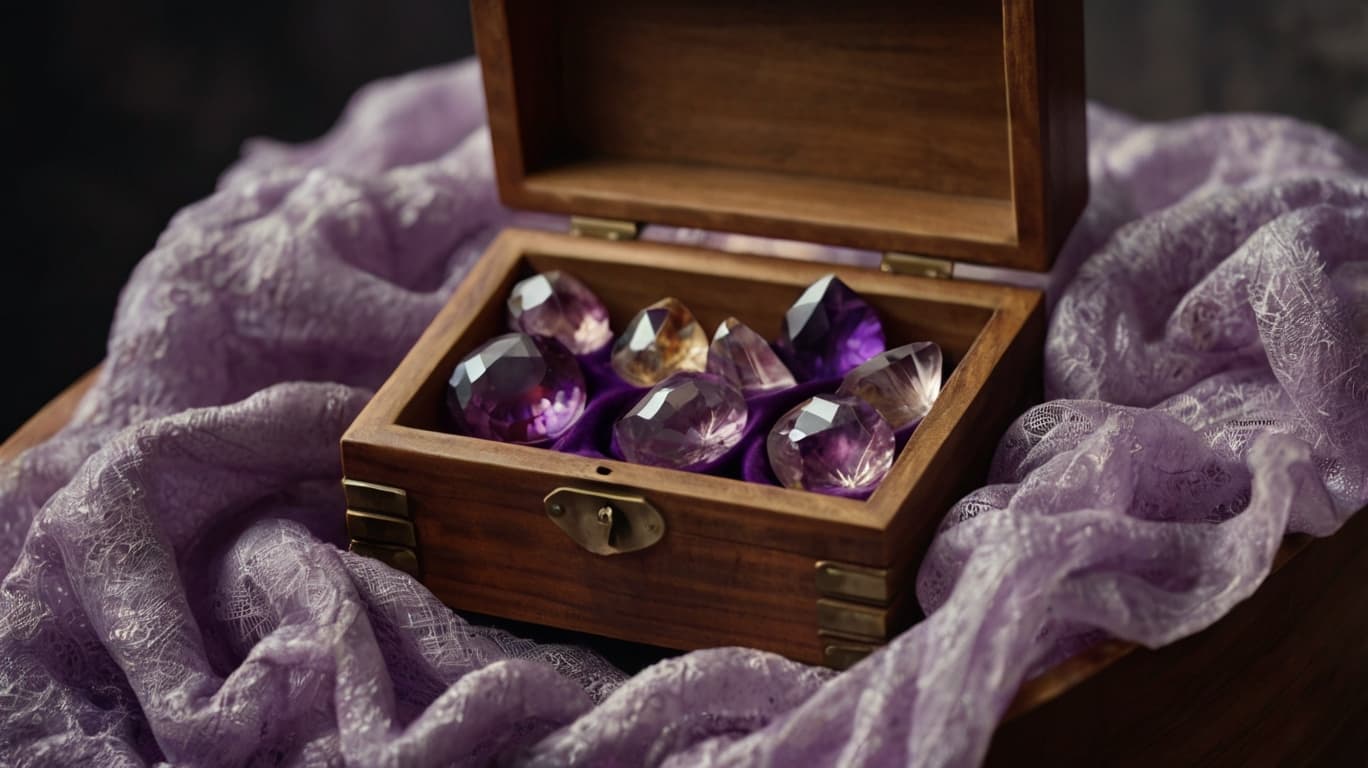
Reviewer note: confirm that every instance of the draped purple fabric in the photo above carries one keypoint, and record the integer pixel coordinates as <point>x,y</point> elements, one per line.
<point>174,588</point>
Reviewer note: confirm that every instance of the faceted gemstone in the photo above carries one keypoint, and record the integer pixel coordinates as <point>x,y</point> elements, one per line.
<point>684,422</point>
<point>662,339</point>
<point>517,389</point>
<point>557,305</point>
<point>831,444</point>
<point>901,384</point>
<point>744,359</point>
<point>828,331</point>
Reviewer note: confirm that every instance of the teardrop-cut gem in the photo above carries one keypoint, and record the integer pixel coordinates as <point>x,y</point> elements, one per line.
<point>829,331</point>
<point>831,444</point>
<point>685,422</point>
<point>557,305</point>
<point>902,384</point>
<point>744,359</point>
<point>662,339</point>
<point>517,388</point>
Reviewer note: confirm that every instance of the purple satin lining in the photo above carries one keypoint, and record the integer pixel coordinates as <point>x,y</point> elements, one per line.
<point>610,398</point>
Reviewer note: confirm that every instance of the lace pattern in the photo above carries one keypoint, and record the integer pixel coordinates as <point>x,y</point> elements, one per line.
<point>175,591</point>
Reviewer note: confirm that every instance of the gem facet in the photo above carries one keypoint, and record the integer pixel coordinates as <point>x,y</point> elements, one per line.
<point>828,331</point>
<point>517,389</point>
<point>744,359</point>
<point>662,339</point>
<point>831,444</point>
<point>557,305</point>
<point>684,422</point>
<point>901,384</point>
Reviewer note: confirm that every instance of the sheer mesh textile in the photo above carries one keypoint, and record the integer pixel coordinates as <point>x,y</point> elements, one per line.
<point>175,589</point>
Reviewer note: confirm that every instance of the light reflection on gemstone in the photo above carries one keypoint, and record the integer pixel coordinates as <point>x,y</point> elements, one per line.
<point>557,305</point>
<point>685,422</point>
<point>744,359</point>
<point>517,388</point>
<point>829,331</point>
<point>902,384</point>
<point>831,444</point>
<point>662,339</point>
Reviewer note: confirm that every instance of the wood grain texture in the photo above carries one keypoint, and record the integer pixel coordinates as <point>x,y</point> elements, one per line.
<point>478,504</point>
<point>949,129</point>
<point>1278,681</point>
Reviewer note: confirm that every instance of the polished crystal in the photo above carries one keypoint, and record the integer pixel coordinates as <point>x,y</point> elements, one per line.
<point>685,422</point>
<point>557,305</point>
<point>831,444</point>
<point>829,331</point>
<point>901,384</point>
<point>662,339</point>
<point>744,359</point>
<point>517,389</point>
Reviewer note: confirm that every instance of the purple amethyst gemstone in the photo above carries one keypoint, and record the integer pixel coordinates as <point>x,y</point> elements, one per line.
<point>832,444</point>
<point>517,389</point>
<point>685,422</point>
<point>829,331</point>
<point>557,305</point>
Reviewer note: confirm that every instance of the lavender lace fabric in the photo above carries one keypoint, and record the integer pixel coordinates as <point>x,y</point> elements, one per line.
<point>175,590</point>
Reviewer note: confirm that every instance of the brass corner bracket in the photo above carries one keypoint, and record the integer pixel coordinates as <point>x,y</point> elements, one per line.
<point>379,526</point>
<point>856,611</point>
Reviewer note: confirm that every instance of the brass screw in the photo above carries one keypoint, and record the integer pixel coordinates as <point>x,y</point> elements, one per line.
<point>605,515</point>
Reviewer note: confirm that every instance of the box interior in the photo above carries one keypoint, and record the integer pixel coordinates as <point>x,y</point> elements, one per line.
<point>626,288</point>
<point>878,114</point>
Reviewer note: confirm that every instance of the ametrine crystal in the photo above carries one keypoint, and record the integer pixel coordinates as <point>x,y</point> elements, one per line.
<point>662,339</point>
<point>557,305</point>
<point>829,331</point>
<point>832,444</point>
<point>517,388</point>
<point>685,422</point>
<point>744,359</point>
<point>902,384</point>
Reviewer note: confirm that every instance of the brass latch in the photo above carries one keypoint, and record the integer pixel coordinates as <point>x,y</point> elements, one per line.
<point>604,229</point>
<point>605,523</point>
<point>920,266</point>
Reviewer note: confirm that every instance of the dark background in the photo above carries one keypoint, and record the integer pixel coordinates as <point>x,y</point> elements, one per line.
<point>124,112</point>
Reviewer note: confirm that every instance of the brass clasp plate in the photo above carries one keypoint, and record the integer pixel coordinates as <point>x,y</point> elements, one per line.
<point>605,523</point>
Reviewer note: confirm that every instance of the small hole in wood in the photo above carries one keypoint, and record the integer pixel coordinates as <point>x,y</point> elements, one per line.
<point>604,471</point>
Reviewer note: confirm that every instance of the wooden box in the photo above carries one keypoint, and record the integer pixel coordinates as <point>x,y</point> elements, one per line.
<point>932,131</point>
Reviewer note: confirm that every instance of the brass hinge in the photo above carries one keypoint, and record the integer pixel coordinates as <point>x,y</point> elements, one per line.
<point>379,526</point>
<point>920,266</point>
<point>864,622</point>
<point>853,582</point>
<point>604,229</point>
<point>841,652</point>
<point>855,612</point>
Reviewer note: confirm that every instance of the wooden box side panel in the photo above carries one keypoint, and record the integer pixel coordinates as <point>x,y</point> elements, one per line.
<point>485,544</point>
<point>1047,103</point>
<point>955,446</point>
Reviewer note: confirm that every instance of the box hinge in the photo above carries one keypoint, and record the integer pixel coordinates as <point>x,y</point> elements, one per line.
<point>840,652</point>
<point>919,266</point>
<point>855,611</point>
<point>604,229</point>
<point>853,582</point>
<point>379,526</point>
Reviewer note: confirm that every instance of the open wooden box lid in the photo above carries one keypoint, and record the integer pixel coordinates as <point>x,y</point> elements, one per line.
<point>950,129</point>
